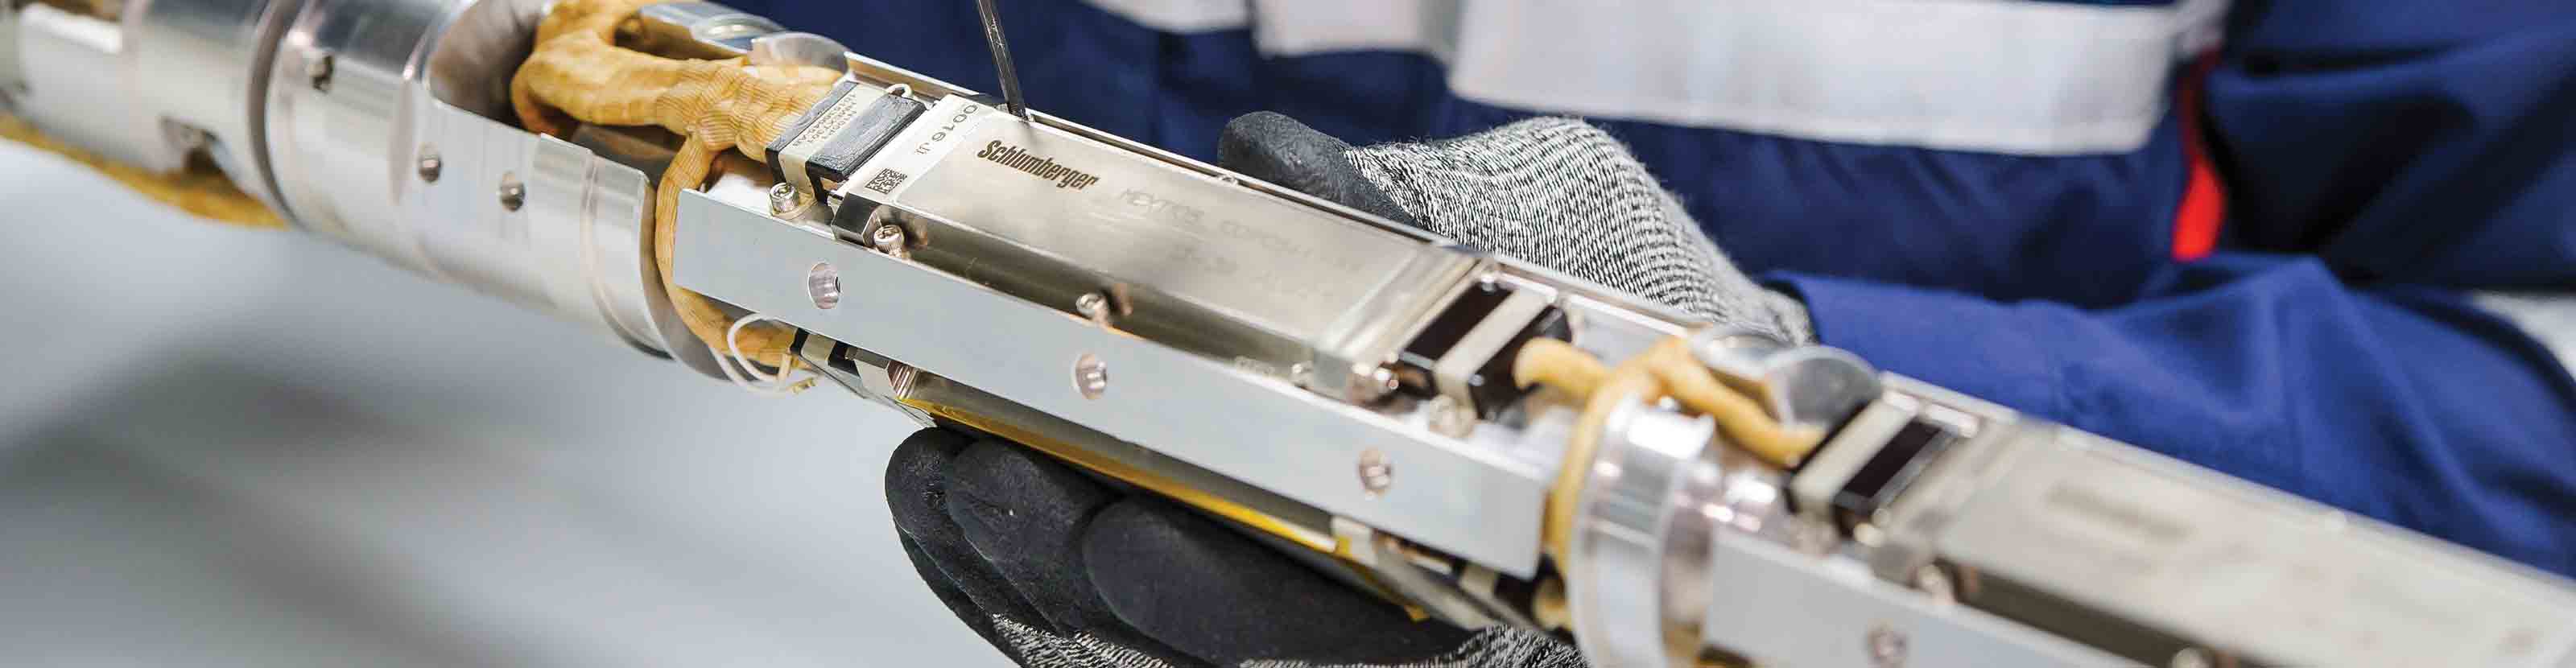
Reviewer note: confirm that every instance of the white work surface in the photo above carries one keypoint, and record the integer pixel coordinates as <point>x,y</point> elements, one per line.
<point>231,447</point>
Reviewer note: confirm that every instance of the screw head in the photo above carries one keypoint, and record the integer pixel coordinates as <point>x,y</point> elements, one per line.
<point>901,376</point>
<point>823,283</point>
<point>782,198</point>
<point>1090,376</point>
<point>1092,305</point>
<point>1935,583</point>
<point>888,238</point>
<point>2190,657</point>
<point>513,193</point>
<point>1376,473</point>
<point>429,165</point>
<point>1448,417</point>
<point>317,70</point>
<point>1886,647</point>
<point>1372,384</point>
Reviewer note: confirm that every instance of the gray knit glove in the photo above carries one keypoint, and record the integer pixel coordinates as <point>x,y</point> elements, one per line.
<point>1556,192</point>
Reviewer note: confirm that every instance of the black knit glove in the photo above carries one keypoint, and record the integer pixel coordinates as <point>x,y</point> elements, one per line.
<point>1060,570</point>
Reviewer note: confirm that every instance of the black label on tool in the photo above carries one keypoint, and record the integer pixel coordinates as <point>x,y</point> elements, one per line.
<point>1038,166</point>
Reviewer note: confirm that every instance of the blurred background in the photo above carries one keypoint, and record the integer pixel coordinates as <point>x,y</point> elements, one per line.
<point>230,447</point>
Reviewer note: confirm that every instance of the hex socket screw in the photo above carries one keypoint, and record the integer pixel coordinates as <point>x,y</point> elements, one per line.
<point>513,194</point>
<point>429,164</point>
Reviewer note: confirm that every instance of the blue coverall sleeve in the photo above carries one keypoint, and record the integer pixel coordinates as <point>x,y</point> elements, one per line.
<point>2408,405</point>
<point>2422,143</point>
<point>2380,157</point>
<point>2366,145</point>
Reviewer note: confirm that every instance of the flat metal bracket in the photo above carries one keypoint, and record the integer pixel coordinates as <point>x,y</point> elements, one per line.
<point>1479,504</point>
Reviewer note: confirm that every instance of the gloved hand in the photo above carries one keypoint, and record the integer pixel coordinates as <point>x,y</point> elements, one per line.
<point>1058,569</point>
<point>1556,192</point>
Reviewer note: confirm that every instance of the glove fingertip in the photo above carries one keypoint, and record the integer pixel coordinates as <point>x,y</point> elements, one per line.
<point>1251,140</point>
<point>1273,147</point>
<point>1014,504</point>
<point>916,477</point>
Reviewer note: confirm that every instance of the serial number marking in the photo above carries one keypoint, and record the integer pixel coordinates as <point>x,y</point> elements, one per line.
<point>965,112</point>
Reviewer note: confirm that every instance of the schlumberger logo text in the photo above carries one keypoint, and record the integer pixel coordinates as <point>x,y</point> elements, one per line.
<point>1044,168</point>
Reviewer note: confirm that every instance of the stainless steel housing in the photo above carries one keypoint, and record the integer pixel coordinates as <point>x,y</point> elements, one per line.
<point>365,95</point>
<point>2151,558</point>
<point>1638,537</point>
<point>1686,547</point>
<point>381,124</point>
<point>1460,497</point>
<point>1665,490</point>
<point>163,79</point>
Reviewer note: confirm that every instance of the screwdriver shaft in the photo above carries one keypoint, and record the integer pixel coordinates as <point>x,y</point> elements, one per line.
<point>1010,75</point>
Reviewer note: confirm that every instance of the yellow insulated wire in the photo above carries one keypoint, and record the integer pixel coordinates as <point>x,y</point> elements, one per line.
<point>578,72</point>
<point>1666,370</point>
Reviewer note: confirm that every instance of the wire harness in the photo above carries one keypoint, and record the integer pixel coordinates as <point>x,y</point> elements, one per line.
<point>1664,371</point>
<point>578,73</point>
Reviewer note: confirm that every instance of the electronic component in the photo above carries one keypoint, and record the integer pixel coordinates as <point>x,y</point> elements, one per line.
<point>826,144</point>
<point>1874,459</point>
<point>1465,353</point>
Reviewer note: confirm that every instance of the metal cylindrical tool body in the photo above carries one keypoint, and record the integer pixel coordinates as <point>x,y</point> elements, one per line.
<point>363,93</point>
<point>381,124</point>
<point>1660,491</point>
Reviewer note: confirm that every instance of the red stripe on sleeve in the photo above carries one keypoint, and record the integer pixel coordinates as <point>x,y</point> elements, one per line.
<point>2204,198</point>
